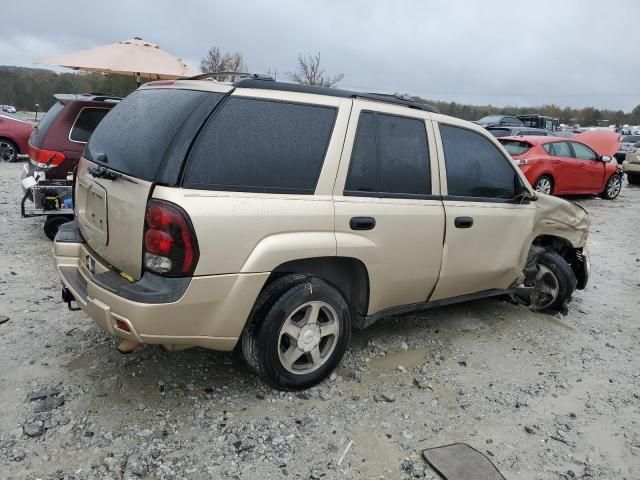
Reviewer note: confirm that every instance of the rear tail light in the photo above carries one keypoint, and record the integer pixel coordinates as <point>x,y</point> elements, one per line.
<point>170,244</point>
<point>45,158</point>
<point>522,161</point>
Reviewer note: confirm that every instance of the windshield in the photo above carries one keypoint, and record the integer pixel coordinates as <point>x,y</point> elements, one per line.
<point>500,132</point>
<point>41,130</point>
<point>134,136</point>
<point>630,138</point>
<point>515,147</point>
<point>491,119</point>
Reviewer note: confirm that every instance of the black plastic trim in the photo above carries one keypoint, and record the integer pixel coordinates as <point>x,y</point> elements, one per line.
<point>407,196</point>
<point>151,288</point>
<point>69,233</point>
<point>456,198</point>
<point>416,307</point>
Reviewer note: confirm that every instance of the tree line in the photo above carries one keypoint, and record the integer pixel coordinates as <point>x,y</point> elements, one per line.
<point>25,87</point>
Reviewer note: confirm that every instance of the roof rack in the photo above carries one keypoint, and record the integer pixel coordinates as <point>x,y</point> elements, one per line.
<point>238,75</point>
<point>268,83</point>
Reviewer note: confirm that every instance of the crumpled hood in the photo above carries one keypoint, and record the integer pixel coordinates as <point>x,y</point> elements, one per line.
<point>558,217</point>
<point>602,141</point>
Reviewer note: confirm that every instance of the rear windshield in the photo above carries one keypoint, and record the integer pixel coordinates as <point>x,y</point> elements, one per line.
<point>500,132</point>
<point>133,137</point>
<point>515,147</point>
<point>41,130</point>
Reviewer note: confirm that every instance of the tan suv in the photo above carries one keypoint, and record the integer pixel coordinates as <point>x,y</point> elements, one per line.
<point>278,217</point>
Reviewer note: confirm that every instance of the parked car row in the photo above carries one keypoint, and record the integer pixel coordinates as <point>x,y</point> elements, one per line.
<point>8,108</point>
<point>277,217</point>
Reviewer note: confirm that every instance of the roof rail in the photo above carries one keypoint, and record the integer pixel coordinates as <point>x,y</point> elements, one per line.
<point>268,83</point>
<point>234,75</point>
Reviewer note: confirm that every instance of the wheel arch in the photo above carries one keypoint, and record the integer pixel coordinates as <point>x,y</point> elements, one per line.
<point>349,275</point>
<point>566,250</point>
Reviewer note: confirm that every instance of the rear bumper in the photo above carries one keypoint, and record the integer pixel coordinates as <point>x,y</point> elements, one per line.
<point>210,312</point>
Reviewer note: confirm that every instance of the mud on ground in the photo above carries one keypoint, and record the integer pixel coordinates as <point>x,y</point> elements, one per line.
<point>544,397</point>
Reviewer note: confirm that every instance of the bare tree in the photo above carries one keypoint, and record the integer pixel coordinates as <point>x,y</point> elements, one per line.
<point>308,72</point>
<point>215,61</point>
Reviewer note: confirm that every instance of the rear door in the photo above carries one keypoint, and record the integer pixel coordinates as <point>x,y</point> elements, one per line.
<point>141,141</point>
<point>387,208</point>
<point>487,233</point>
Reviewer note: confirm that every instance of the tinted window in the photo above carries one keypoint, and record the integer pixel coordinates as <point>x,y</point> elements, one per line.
<point>515,147</point>
<point>43,126</point>
<point>583,152</point>
<point>630,138</point>
<point>133,137</point>
<point>363,169</point>
<point>86,123</point>
<point>512,121</point>
<point>558,149</point>
<point>475,167</point>
<point>261,146</point>
<point>390,156</point>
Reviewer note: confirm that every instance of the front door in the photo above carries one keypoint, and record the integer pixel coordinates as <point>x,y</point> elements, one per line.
<point>590,176</point>
<point>387,210</point>
<point>487,231</point>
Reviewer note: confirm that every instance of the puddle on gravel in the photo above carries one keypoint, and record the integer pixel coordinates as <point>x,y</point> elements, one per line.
<point>83,361</point>
<point>405,358</point>
<point>558,322</point>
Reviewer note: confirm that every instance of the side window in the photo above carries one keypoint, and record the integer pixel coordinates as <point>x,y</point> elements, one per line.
<point>261,146</point>
<point>86,123</point>
<point>558,149</point>
<point>583,152</point>
<point>475,167</point>
<point>390,156</point>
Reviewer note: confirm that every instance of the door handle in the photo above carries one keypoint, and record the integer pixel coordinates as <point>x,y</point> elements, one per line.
<point>463,222</point>
<point>362,223</point>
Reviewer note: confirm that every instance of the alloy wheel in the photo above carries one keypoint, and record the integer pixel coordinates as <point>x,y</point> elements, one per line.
<point>543,185</point>
<point>545,290</point>
<point>614,187</point>
<point>7,152</point>
<point>308,337</point>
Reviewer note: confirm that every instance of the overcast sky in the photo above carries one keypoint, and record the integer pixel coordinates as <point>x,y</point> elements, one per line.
<point>568,52</point>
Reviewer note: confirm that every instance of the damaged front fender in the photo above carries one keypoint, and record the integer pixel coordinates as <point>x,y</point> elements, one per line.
<point>559,218</point>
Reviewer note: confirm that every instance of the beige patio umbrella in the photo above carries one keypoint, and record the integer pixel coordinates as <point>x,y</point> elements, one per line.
<point>130,57</point>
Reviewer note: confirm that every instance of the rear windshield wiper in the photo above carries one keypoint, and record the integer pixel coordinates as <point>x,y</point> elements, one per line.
<point>104,172</point>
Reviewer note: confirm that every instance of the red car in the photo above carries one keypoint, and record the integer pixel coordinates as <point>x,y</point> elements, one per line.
<point>14,137</point>
<point>563,166</point>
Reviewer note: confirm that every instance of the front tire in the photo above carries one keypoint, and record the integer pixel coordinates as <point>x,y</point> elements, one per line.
<point>298,332</point>
<point>554,283</point>
<point>544,184</point>
<point>612,187</point>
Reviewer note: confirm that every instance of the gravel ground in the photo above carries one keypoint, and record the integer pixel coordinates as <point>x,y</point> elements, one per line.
<point>544,397</point>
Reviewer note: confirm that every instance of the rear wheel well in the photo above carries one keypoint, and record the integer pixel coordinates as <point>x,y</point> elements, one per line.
<point>349,275</point>
<point>563,247</point>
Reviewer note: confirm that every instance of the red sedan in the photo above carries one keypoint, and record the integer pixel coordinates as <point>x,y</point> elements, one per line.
<point>562,166</point>
<point>14,137</point>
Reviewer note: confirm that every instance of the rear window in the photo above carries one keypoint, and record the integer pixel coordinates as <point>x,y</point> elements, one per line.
<point>500,132</point>
<point>134,136</point>
<point>86,123</point>
<point>515,147</point>
<point>41,130</point>
<point>261,146</point>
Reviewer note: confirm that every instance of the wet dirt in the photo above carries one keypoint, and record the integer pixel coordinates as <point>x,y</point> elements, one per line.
<point>542,396</point>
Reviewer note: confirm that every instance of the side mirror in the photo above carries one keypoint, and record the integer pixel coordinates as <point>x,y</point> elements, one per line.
<point>605,158</point>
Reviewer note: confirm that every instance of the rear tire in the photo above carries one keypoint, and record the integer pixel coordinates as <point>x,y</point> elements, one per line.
<point>633,179</point>
<point>8,151</point>
<point>544,184</point>
<point>612,187</point>
<point>52,224</point>
<point>298,332</point>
